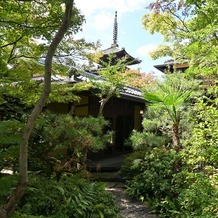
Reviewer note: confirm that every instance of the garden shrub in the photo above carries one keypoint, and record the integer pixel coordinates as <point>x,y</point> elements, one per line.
<point>60,141</point>
<point>200,149</point>
<point>180,183</point>
<point>200,198</point>
<point>7,183</point>
<point>10,138</point>
<point>154,181</point>
<point>181,194</point>
<point>127,169</point>
<point>71,197</point>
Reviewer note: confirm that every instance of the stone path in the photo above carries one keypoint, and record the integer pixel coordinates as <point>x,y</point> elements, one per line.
<point>129,208</point>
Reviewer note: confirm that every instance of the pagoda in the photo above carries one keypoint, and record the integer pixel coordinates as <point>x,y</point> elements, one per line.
<point>115,53</point>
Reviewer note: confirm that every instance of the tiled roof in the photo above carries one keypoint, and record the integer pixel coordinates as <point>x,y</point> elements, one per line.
<point>171,66</point>
<point>127,92</point>
<point>118,54</point>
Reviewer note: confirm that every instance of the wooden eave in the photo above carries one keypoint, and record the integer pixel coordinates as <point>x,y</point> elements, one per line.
<point>171,67</point>
<point>129,93</point>
<point>118,54</point>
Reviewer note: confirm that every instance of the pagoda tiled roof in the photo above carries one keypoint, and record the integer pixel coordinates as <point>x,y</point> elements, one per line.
<point>118,54</point>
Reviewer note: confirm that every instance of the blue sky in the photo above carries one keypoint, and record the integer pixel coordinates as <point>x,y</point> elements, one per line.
<point>137,41</point>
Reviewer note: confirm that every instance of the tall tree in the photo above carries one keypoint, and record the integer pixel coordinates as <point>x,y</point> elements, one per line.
<point>111,82</point>
<point>189,28</point>
<point>28,23</point>
<point>170,96</point>
<point>114,77</point>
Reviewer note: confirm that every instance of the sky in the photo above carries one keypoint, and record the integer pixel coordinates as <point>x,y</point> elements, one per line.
<point>137,41</point>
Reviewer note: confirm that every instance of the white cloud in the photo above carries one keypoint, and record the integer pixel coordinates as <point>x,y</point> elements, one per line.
<point>145,50</point>
<point>90,7</point>
<point>102,21</point>
<point>99,14</point>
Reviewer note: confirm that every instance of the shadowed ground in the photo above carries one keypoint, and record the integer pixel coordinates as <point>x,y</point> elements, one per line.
<point>106,164</point>
<point>129,207</point>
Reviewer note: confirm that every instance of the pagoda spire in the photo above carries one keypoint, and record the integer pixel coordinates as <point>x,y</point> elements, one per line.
<point>116,52</point>
<point>115,31</point>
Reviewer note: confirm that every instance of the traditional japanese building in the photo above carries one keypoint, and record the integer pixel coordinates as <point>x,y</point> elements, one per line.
<point>171,66</point>
<point>124,112</point>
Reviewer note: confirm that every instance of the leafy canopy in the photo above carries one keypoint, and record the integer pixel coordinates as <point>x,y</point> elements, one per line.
<point>190,32</point>
<point>170,96</point>
<point>27,29</point>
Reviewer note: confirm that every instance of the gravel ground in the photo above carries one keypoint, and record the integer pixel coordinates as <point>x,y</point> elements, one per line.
<point>129,207</point>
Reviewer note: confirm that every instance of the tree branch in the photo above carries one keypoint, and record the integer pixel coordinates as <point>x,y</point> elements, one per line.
<point>9,208</point>
<point>21,56</point>
<point>26,26</point>
<point>12,43</point>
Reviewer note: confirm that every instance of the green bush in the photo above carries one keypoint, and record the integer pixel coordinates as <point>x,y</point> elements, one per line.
<point>7,183</point>
<point>71,197</point>
<point>181,183</point>
<point>127,169</point>
<point>10,138</point>
<point>60,141</point>
<point>200,198</point>
<point>174,194</point>
<point>154,181</point>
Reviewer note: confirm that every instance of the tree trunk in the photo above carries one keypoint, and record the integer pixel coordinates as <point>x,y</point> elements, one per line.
<point>177,146</point>
<point>14,199</point>
<point>72,109</point>
<point>103,102</point>
<point>175,137</point>
<point>101,107</point>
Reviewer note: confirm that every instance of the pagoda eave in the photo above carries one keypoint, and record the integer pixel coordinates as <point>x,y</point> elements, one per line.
<point>118,54</point>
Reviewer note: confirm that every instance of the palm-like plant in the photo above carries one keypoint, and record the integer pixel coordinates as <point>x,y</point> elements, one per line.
<point>172,98</point>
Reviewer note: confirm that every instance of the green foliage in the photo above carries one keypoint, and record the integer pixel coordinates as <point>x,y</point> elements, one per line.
<point>76,132</point>
<point>189,29</point>
<point>27,28</point>
<point>13,108</point>
<point>112,81</point>
<point>199,198</point>
<point>7,184</point>
<point>183,194</point>
<point>153,135</point>
<point>171,96</point>
<point>127,169</point>
<point>182,183</point>
<point>34,25</point>
<point>190,33</point>
<point>153,183</point>
<point>191,192</point>
<point>60,141</point>
<point>201,148</point>
<point>112,73</point>
<point>10,138</point>
<point>70,197</point>
<point>63,93</point>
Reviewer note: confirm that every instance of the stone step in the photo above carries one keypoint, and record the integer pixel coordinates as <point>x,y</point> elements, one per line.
<point>107,176</point>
